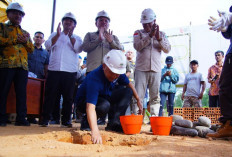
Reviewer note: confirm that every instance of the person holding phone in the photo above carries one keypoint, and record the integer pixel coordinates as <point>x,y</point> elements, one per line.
<point>214,74</point>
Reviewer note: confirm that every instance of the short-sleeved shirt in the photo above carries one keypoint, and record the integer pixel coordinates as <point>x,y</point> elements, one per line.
<point>37,60</point>
<point>193,81</point>
<point>96,84</point>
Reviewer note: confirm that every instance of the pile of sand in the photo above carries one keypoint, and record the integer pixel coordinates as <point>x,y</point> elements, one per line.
<point>57,141</point>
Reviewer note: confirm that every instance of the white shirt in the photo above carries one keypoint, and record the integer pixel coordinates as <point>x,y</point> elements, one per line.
<point>63,55</point>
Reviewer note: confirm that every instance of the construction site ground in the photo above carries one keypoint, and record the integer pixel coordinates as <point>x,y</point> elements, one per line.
<point>55,141</point>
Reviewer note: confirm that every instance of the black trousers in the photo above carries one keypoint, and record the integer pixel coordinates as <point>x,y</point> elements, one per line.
<point>19,76</point>
<point>225,92</point>
<point>59,82</point>
<point>115,105</point>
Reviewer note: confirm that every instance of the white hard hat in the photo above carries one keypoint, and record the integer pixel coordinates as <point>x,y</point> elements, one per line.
<point>15,6</point>
<point>147,16</point>
<point>102,14</point>
<point>71,16</point>
<point>116,61</point>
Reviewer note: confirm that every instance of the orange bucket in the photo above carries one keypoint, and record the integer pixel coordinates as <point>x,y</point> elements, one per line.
<point>161,125</point>
<point>131,124</point>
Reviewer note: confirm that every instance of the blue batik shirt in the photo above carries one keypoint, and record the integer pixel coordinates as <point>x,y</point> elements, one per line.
<point>37,60</point>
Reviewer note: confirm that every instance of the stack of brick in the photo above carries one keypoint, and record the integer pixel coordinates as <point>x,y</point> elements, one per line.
<point>189,113</point>
<point>198,112</point>
<point>213,113</point>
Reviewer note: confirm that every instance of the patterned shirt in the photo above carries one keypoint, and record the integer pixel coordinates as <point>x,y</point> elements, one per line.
<point>213,70</point>
<point>12,54</point>
<point>37,61</point>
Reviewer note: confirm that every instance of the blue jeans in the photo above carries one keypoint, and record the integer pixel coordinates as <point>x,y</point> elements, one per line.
<point>170,105</point>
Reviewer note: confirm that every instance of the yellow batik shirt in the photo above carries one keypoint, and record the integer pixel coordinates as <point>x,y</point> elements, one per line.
<point>12,54</point>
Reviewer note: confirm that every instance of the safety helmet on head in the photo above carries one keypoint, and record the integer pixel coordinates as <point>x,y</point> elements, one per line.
<point>102,14</point>
<point>70,16</point>
<point>147,16</point>
<point>115,60</point>
<point>15,6</point>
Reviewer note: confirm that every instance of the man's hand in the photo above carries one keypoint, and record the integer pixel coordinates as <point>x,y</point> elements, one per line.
<point>155,32</point>
<point>200,96</point>
<point>221,24</point>
<point>83,66</point>
<point>182,97</point>
<point>22,39</point>
<point>108,36</point>
<point>92,119</point>
<point>101,32</point>
<point>96,137</point>
<point>58,30</point>
<point>70,34</point>
<point>140,106</point>
<point>211,81</point>
<point>168,73</point>
<point>152,32</point>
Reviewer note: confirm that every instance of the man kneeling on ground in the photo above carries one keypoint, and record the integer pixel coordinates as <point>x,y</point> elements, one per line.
<point>98,95</point>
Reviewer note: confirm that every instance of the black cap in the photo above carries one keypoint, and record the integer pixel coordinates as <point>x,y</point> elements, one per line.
<point>230,9</point>
<point>194,62</point>
<point>169,60</point>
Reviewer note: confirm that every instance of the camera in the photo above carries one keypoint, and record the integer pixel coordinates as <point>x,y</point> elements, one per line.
<point>215,77</point>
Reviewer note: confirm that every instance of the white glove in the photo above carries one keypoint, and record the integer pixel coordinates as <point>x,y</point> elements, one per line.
<point>222,23</point>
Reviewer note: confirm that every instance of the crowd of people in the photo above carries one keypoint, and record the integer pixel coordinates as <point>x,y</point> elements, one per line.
<point>109,81</point>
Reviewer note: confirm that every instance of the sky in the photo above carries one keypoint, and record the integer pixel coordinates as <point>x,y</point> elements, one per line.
<point>124,14</point>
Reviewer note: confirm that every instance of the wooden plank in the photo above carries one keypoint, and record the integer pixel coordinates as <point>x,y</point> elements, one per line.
<point>35,96</point>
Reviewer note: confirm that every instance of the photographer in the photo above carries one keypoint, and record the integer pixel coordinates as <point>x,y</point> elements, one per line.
<point>214,74</point>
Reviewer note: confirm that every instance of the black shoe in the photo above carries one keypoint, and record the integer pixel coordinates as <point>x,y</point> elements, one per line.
<point>2,124</point>
<point>66,124</point>
<point>114,127</point>
<point>85,124</point>
<point>54,122</point>
<point>22,123</point>
<point>101,121</point>
<point>44,123</point>
<point>32,120</point>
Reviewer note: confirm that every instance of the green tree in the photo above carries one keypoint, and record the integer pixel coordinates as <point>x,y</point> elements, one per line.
<point>178,101</point>
<point>205,99</point>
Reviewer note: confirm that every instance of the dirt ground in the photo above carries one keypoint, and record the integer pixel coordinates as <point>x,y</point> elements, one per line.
<point>55,141</point>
